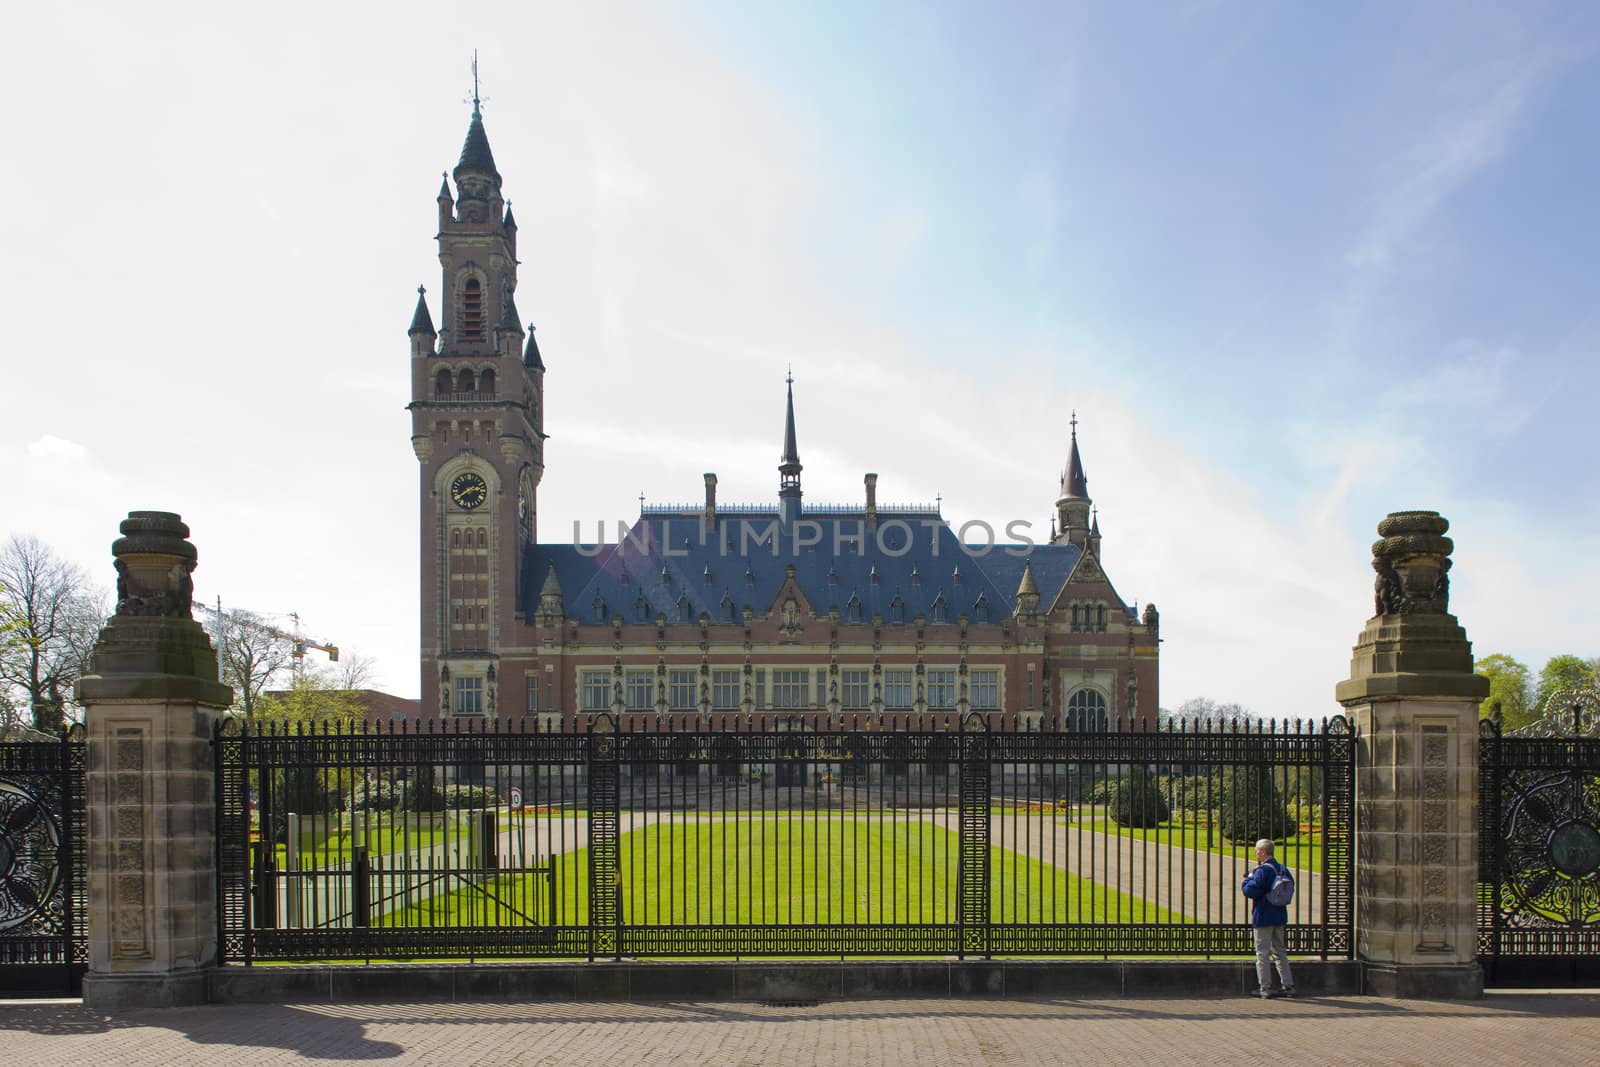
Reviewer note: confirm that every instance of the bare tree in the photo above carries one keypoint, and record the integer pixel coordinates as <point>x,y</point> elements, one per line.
<point>54,614</point>
<point>355,671</point>
<point>252,655</point>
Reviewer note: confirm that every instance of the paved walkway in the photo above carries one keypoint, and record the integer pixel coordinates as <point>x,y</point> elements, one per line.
<point>1504,1028</point>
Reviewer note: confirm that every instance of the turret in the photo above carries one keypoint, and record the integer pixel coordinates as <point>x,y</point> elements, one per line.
<point>550,603</point>
<point>1027,594</point>
<point>1073,504</point>
<point>422,333</point>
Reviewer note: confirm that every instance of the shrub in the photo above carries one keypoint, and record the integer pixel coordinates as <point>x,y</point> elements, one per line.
<point>468,796</point>
<point>1138,801</point>
<point>1250,807</point>
<point>374,796</point>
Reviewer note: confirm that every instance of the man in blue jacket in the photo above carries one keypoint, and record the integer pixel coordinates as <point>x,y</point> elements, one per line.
<point>1270,922</point>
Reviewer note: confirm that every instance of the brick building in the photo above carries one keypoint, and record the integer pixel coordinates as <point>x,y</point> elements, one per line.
<point>869,612</point>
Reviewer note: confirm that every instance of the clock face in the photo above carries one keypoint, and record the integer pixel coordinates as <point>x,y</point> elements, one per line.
<point>469,490</point>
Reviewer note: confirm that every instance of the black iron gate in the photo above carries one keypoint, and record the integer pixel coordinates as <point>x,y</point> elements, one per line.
<point>43,944</point>
<point>870,835</point>
<point>1539,847</point>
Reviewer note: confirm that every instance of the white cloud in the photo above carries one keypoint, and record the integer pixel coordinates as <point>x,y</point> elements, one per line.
<point>52,447</point>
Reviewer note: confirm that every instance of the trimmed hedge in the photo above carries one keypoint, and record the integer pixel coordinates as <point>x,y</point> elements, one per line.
<point>1250,807</point>
<point>1138,801</point>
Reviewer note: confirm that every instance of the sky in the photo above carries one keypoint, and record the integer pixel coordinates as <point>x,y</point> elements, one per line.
<point>1293,267</point>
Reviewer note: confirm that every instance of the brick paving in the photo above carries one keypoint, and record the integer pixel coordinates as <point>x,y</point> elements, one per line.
<point>1504,1028</point>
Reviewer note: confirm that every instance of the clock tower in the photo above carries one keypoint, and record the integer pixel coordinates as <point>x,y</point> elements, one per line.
<point>477,400</point>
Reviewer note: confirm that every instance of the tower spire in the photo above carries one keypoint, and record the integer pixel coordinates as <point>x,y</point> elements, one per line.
<point>1073,503</point>
<point>789,468</point>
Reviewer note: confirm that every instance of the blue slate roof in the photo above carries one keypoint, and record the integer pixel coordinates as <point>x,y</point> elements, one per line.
<point>670,565</point>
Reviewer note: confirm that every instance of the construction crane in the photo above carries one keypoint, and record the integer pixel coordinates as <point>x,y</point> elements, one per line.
<point>298,644</point>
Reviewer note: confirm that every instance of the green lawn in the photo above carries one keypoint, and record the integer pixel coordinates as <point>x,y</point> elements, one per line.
<point>384,833</point>
<point>837,869</point>
<point>1303,852</point>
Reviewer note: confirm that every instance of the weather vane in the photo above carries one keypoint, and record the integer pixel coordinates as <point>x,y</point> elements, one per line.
<point>476,102</point>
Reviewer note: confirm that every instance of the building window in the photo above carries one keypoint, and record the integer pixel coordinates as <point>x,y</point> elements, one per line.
<point>641,609</point>
<point>469,696</point>
<point>855,688</point>
<point>937,612</point>
<point>790,689</point>
<point>897,689</point>
<point>599,608</point>
<point>897,610</point>
<point>685,612</point>
<point>1100,618</point>
<point>472,311</point>
<point>681,689</point>
<point>980,609</point>
<point>942,688</point>
<point>727,608</point>
<point>639,690</point>
<point>852,609</point>
<point>761,689</point>
<point>596,690</point>
<point>984,689</point>
<point>1086,711</point>
<point>533,693</point>
<point>725,689</point>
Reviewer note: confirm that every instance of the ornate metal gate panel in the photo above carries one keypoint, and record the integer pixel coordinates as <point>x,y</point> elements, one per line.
<point>1539,847</point>
<point>43,944</point>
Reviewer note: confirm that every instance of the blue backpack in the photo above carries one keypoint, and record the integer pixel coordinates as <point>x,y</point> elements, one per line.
<point>1282,890</point>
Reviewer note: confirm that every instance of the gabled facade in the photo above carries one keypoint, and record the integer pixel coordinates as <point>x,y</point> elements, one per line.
<point>874,615</point>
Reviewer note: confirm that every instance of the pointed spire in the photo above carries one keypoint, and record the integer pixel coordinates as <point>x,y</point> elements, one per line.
<point>1073,484</point>
<point>789,468</point>
<point>1094,528</point>
<point>475,154</point>
<point>552,585</point>
<point>791,452</point>
<point>421,321</point>
<point>510,221</point>
<point>444,188</point>
<point>530,354</point>
<point>1027,587</point>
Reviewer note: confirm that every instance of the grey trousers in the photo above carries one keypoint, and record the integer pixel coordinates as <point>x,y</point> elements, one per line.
<point>1271,940</point>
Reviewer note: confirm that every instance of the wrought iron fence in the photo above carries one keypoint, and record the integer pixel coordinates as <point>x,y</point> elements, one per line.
<point>1539,847</point>
<point>43,943</point>
<point>792,835</point>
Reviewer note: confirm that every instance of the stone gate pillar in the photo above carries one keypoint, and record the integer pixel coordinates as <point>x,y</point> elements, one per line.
<point>1414,699</point>
<point>151,697</point>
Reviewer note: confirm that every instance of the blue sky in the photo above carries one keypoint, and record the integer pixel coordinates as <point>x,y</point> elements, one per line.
<point>1295,267</point>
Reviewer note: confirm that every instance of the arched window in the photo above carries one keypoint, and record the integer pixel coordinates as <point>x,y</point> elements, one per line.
<point>486,382</point>
<point>684,610</point>
<point>455,538</point>
<point>641,609</point>
<point>852,609</point>
<point>727,608</point>
<point>1100,618</point>
<point>464,381</point>
<point>937,612</point>
<point>980,609</point>
<point>483,537</point>
<point>897,610</point>
<point>1086,712</point>
<point>599,610</point>
<point>472,311</point>
<point>1077,618</point>
<point>441,384</point>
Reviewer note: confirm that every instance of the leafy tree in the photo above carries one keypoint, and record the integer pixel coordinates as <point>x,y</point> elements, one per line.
<point>1510,686</point>
<point>309,704</point>
<point>1564,672</point>
<point>52,615</point>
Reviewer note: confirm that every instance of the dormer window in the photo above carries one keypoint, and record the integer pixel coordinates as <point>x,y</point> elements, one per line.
<point>472,311</point>
<point>852,609</point>
<point>980,609</point>
<point>897,610</point>
<point>938,610</point>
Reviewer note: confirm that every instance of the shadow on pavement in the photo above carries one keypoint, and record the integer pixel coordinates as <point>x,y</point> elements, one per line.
<point>311,1035</point>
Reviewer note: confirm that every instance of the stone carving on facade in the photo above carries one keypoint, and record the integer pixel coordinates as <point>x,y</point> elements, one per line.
<point>1152,620</point>
<point>1412,561</point>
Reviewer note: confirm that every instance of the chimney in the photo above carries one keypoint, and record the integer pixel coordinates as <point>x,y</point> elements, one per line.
<point>872,501</point>
<point>711,499</point>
